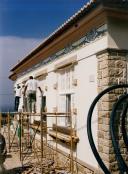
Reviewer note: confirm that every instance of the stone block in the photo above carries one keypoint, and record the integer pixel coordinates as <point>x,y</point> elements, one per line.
<point>112,64</point>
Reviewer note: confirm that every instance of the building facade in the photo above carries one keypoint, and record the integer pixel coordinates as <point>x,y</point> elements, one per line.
<point>87,54</point>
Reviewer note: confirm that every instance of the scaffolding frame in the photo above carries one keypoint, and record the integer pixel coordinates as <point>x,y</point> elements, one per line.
<point>47,145</point>
<point>39,154</point>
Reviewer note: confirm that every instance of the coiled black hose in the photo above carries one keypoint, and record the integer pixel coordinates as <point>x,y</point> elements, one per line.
<point>123,126</point>
<point>121,163</point>
<point>89,128</point>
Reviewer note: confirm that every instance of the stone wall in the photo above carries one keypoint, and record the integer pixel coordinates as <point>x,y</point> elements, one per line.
<point>112,69</point>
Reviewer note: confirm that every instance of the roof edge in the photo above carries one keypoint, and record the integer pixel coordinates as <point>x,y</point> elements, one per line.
<point>66,25</point>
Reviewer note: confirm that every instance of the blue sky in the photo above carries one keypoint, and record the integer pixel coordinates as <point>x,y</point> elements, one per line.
<point>35,18</point>
<point>23,25</point>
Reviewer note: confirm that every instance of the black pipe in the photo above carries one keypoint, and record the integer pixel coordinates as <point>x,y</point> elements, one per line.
<point>121,163</point>
<point>89,128</point>
<point>123,126</point>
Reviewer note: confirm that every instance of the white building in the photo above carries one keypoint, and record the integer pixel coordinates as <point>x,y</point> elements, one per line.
<point>83,56</point>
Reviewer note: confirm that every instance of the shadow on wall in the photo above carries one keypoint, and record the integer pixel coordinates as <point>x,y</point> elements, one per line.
<point>118,34</point>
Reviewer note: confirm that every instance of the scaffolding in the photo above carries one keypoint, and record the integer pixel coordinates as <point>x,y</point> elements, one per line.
<point>39,143</point>
<point>5,128</point>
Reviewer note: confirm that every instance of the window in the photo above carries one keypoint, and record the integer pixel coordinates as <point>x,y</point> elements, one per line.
<point>65,79</point>
<point>68,108</point>
<point>43,106</point>
<point>65,94</point>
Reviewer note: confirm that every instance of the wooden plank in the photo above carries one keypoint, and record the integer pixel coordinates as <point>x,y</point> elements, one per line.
<point>63,137</point>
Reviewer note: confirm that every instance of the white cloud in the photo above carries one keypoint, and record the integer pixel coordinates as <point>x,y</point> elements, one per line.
<point>12,50</point>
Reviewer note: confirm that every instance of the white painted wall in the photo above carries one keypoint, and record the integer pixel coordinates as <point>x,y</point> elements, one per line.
<point>117,34</point>
<point>86,92</point>
<point>51,96</point>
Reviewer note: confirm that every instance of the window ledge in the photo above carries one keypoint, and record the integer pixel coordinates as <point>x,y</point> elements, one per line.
<point>63,137</point>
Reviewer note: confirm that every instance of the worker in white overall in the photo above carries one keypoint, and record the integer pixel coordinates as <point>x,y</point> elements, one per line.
<point>17,96</point>
<point>31,86</point>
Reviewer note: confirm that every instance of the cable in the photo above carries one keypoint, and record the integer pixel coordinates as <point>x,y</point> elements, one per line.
<point>121,163</point>
<point>123,126</point>
<point>89,128</point>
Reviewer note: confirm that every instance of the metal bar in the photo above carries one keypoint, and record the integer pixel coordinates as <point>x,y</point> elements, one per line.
<point>45,113</point>
<point>8,131</point>
<point>56,139</point>
<point>13,137</point>
<point>38,114</point>
<point>71,147</point>
<point>20,136</point>
<point>41,121</point>
<point>28,129</point>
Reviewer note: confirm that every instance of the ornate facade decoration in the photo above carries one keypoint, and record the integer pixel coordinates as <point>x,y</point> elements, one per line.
<point>91,36</point>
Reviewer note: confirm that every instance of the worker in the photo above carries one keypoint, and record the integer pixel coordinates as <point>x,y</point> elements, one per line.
<point>17,97</point>
<point>21,103</point>
<point>31,86</point>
